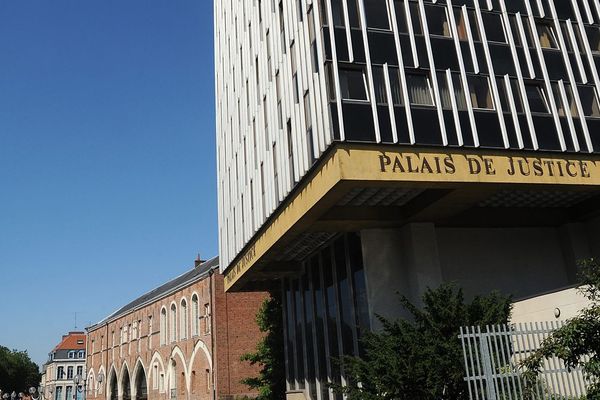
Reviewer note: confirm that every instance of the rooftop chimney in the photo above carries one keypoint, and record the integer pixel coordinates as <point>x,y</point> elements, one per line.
<point>198,261</point>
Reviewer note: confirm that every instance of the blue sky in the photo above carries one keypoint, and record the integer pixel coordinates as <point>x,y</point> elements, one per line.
<point>107,157</point>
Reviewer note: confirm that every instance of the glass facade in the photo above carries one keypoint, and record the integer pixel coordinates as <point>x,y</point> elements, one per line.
<point>325,312</point>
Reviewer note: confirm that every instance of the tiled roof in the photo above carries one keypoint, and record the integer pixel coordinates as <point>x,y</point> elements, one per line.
<point>72,341</point>
<point>175,284</point>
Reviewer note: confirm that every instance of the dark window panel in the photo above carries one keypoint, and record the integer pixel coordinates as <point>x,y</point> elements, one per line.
<point>395,86</point>
<point>420,91</point>
<point>555,65</point>
<point>353,84</point>
<point>401,125</point>
<point>488,129</point>
<point>320,320</point>
<point>353,14</point>
<point>450,128</point>
<point>466,53</point>
<point>536,96</point>
<point>546,35</point>
<point>480,92</point>
<point>515,6</point>
<point>406,48</point>
<point>358,46</point>
<point>593,35</point>
<point>427,126</point>
<point>546,133</point>
<point>358,122</point>
<point>444,53</point>
<point>465,126</point>
<point>502,60</point>
<point>422,52</point>
<point>341,44</point>
<point>385,124</point>
<point>564,10</point>
<point>379,85</point>
<point>437,20</point>
<point>377,14</point>
<point>589,101</point>
<point>327,45</point>
<point>511,133</point>
<point>446,95</point>
<point>594,128</point>
<point>401,20</point>
<point>494,27</point>
<point>416,19</point>
<point>298,311</point>
<point>338,12</point>
<point>383,48</point>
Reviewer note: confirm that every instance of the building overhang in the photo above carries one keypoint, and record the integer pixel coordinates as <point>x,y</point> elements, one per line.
<point>363,186</point>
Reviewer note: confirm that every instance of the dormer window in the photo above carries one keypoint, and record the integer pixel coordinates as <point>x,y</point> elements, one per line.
<point>71,354</point>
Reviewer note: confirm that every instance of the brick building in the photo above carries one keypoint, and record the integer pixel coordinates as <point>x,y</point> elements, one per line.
<point>182,340</point>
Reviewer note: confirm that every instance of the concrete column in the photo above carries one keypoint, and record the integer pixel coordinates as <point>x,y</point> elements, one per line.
<point>404,261</point>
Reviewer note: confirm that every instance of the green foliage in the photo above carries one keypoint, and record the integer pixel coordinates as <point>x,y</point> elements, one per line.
<point>421,358</point>
<point>17,372</point>
<point>269,353</point>
<point>578,338</point>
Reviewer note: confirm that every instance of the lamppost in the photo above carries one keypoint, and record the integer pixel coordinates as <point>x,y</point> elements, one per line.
<point>80,383</point>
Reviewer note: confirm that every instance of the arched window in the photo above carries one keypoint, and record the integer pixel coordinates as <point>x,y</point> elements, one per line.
<point>195,316</point>
<point>173,323</point>
<point>183,327</point>
<point>163,326</point>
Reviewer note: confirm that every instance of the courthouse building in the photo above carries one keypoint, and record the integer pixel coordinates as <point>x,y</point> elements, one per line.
<point>182,340</point>
<point>367,147</point>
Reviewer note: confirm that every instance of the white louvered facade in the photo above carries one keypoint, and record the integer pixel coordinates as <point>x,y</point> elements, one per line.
<point>292,76</point>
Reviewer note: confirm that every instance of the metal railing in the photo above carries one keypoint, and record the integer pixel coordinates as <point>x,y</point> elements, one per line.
<point>493,355</point>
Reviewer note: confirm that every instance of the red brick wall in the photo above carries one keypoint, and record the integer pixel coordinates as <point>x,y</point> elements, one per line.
<point>233,330</point>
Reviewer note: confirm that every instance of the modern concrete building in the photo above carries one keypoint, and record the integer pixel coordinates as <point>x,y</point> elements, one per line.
<point>65,362</point>
<point>182,340</point>
<point>367,147</point>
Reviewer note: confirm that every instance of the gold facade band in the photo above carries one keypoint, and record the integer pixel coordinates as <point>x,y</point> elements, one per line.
<point>379,164</point>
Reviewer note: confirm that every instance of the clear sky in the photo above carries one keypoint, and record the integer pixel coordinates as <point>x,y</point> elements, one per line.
<point>107,157</point>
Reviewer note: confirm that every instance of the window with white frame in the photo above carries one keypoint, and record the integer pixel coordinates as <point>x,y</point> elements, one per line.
<point>183,323</point>
<point>419,89</point>
<point>353,84</point>
<point>546,35</point>
<point>437,20</point>
<point>195,315</point>
<point>173,324</point>
<point>536,97</point>
<point>163,326</point>
<point>480,92</point>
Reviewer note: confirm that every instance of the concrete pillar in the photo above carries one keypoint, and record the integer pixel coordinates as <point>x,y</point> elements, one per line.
<point>404,261</point>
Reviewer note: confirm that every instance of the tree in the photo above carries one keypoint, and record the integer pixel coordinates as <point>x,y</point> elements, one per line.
<point>420,358</point>
<point>269,353</point>
<point>17,372</point>
<point>577,342</point>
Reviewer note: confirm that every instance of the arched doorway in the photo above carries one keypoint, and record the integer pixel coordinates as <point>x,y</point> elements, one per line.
<point>112,386</point>
<point>141,387</point>
<point>126,385</point>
